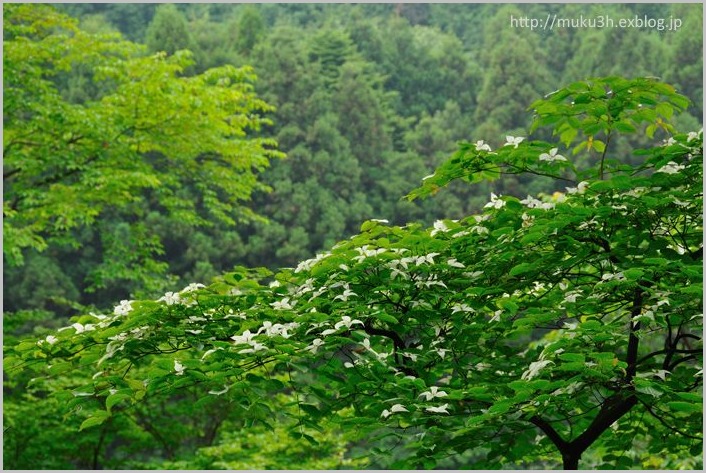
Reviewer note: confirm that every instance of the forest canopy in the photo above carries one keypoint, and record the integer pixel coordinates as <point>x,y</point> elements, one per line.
<point>179,298</point>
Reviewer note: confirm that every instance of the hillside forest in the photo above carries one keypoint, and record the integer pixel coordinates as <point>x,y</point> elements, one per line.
<point>356,185</point>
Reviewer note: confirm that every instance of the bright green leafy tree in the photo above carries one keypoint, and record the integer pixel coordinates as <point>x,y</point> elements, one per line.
<point>150,138</point>
<point>535,330</point>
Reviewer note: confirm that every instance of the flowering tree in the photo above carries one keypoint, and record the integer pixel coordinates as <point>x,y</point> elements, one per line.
<point>529,332</point>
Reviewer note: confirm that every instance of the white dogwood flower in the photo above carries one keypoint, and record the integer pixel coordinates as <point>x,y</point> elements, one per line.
<point>579,189</point>
<point>513,140</point>
<point>552,156</point>
<point>170,298</point>
<point>123,308</point>
<point>495,201</point>
<point>246,337</point>
<point>394,409</point>
<point>439,226</point>
<point>453,262</point>
<point>282,305</point>
<point>347,322</point>
<point>315,344</point>
<point>346,294</point>
<point>443,409</point>
<point>192,287</point>
<point>671,168</point>
<point>433,393</point>
<point>534,368</point>
<point>51,340</point>
<point>482,146</point>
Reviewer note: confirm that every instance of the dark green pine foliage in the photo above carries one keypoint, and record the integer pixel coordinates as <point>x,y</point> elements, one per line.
<point>168,31</point>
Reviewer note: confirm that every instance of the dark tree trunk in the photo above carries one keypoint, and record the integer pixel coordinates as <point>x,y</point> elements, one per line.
<point>571,461</point>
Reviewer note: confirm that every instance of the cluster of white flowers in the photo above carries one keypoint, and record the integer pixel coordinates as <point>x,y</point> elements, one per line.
<point>462,308</point>
<point>366,251</point>
<point>245,338</point>
<point>194,286</point>
<point>579,189</point>
<point>533,203</point>
<point>671,168</point>
<point>306,265</point>
<point>123,308</point>
<point>480,229</point>
<point>593,223</point>
<point>432,280</point>
<point>692,135</point>
<point>277,329</point>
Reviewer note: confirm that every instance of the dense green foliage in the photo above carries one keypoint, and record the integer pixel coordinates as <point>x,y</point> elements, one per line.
<point>520,332</point>
<point>578,315</point>
<point>88,173</point>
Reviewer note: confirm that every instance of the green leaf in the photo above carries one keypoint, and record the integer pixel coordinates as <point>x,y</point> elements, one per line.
<point>522,268</point>
<point>625,127</point>
<point>501,407</point>
<point>591,325</point>
<point>694,397</point>
<point>59,368</point>
<point>689,407</point>
<point>96,419</point>
<point>633,274</point>
<point>385,317</point>
<point>113,399</point>
<point>574,357</point>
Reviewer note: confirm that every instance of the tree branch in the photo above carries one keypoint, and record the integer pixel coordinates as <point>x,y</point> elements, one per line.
<point>550,432</point>
<point>613,409</point>
<point>664,423</point>
<point>633,341</point>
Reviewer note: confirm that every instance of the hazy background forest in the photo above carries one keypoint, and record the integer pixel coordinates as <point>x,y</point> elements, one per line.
<point>369,98</point>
